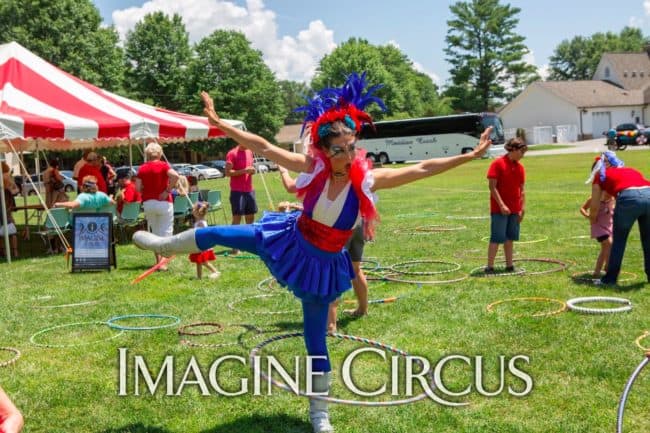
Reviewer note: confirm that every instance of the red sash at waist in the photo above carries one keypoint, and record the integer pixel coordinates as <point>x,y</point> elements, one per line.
<point>323,236</point>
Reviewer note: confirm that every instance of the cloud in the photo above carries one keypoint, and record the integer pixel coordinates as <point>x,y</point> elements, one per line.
<point>435,77</point>
<point>646,7</point>
<point>291,58</point>
<point>636,22</point>
<point>543,71</point>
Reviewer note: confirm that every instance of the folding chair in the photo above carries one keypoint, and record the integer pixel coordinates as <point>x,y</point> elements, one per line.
<point>214,199</point>
<point>204,194</point>
<point>57,218</point>
<point>130,217</point>
<point>182,208</point>
<point>194,197</point>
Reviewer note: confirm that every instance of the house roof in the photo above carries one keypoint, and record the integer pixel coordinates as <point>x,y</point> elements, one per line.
<point>288,134</point>
<point>592,93</point>
<point>626,65</point>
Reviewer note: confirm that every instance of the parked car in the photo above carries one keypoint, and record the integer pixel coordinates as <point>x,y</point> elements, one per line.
<point>627,134</point>
<point>126,169</point>
<point>262,165</point>
<point>69,184</point>
<point>202,172</point>
<point>219,164</point>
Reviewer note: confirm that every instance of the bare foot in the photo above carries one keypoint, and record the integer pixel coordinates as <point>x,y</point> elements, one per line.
<point>356,313</point>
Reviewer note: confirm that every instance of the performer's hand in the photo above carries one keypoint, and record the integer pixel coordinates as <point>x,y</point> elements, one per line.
<point>208,107</point>
<point>250,170</point>
<point>483,143</point>
<point>521,215</point>
<point>505,210</point>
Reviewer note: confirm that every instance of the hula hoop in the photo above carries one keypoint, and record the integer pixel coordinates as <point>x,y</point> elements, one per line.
<point>463,217</point>
<point>562,265</point>
<point>394,277</point>
<point>257,349</point>
<point>638,341</point>
<point>580,276</point>
<point>218,327</point>
<point>396,266</point>
<point>232,304</point>
<point>374,263</point>
<point>15,351</point>
<point>32,339</point>
<point>563,306</point>
<point>267,284</point>
<point>78,304</point>
<point>572,304</point>
<point>411,215</point>
<point>190,343</point>
<point>516,273</point>
<point>388,300</point>
<point>112,324</point>
<point>534,241</point>
<point>439,228</point>
<point>626,392</point>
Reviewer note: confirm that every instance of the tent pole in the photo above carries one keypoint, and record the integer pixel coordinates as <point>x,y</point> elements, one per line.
<point>3,202</point>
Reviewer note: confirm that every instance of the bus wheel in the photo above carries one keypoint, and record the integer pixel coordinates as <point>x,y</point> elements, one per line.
<point>466,150</point>
<point>383,158</point>
<point>371,157</point>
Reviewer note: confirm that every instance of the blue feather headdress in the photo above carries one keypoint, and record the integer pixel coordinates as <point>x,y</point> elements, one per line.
<point>345,104</point>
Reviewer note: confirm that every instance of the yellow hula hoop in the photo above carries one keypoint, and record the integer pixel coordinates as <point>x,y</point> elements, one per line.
<point>490,307</point>
<point>638,341</point>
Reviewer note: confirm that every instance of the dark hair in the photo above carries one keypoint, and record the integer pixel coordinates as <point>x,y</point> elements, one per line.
<point>54,162</point>
<point>336,129</point>
<point>514,144</point>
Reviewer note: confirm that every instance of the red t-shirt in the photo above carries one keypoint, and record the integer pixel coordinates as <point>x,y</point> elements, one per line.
<point>129,195</point>
<point>91,170</point>
<point>240,159</point>
<point>619,178</point>
<point>153,175</point>
<point>510,176</point>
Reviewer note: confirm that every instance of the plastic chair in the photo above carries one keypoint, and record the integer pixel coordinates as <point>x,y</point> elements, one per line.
<point>56,217</point>
<point>214,199</point>
<point>194,197</point>
<point>182,208</point>
<point>204,194</point>
<point>130,217</point>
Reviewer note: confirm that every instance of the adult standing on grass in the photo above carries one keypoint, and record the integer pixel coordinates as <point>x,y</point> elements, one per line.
<point>632,192</point>
<point>155,182</point>
<point>305,250</point>
<point>92,167</point>
<point>54,187</point>
<point>240,170</point>
<point>11,420</point>
<point>506,178</point>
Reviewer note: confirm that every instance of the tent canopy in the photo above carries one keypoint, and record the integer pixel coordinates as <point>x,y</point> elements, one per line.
<point>43,107</point>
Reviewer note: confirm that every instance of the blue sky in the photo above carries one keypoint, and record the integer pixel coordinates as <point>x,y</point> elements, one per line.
<point>294,34</point>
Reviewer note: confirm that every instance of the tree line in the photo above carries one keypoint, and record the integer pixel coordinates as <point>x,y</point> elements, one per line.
<point>156,63</point>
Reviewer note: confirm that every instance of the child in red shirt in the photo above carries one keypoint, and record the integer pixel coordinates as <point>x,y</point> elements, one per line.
<point>506,178</point>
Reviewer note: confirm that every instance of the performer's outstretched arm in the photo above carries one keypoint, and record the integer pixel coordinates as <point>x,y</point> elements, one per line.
<point>297,162</point>
<point>390,178</point>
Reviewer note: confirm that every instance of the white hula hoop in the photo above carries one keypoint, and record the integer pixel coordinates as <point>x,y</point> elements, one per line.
<point>572,304</point>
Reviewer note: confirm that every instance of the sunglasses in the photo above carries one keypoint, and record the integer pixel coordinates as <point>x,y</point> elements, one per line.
<point>340,151</point>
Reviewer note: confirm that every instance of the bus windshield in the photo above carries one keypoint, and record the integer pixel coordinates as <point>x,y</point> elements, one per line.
<point>497,136</point>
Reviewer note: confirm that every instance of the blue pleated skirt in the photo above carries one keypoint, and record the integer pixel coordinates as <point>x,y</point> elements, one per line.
<point>309,272</point>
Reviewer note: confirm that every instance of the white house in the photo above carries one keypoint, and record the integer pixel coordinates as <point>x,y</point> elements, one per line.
<point>618,93</point>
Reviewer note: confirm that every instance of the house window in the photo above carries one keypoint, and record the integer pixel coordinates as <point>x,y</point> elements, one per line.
<point>607,72</point>
<point>641,74</point>
<point>633,74</point>
<point>625,74</point>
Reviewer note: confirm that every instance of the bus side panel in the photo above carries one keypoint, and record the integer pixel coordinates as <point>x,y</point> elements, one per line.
<point>420,147</point>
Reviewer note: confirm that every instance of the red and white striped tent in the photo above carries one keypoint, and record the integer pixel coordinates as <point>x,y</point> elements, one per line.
<point>45,108</point>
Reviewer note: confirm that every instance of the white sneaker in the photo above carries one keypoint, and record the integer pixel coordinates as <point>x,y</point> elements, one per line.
<point>214,275</point>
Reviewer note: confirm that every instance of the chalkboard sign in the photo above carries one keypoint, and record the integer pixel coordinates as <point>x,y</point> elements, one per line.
<point>92,241</point>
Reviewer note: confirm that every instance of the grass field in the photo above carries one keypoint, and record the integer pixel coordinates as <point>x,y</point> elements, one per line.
<point>578,363</point>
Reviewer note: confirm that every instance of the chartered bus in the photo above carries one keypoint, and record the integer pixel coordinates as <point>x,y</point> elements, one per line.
<point>428,137</point>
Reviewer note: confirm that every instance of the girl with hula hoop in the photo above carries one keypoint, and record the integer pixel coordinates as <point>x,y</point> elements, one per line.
<point>305,250</point>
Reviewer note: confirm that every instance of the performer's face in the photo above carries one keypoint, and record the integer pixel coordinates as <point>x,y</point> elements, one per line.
<point>342,151</point>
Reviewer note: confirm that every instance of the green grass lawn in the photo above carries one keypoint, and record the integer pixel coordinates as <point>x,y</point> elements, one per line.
<point>579,363</point>
<point>535,147</point>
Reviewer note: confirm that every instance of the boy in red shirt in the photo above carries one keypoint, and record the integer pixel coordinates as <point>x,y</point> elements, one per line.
<point>506,178</point>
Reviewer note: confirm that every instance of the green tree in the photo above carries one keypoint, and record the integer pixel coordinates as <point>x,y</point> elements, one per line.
<point>486,55</point>
<point>157,55</point>
<point>242,86</point>
<point>66,33</point>
<point>406,92</point>
<point>577,59</point>
<point>293,94</point>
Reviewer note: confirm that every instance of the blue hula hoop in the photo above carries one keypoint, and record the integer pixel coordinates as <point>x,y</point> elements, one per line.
<point>111,322</point>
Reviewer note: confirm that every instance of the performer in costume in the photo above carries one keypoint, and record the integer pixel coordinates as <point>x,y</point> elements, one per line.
<point>305,250</point>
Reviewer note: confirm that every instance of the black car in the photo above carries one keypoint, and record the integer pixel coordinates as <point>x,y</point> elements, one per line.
<point>219,164</point>
<point>627,134</point>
